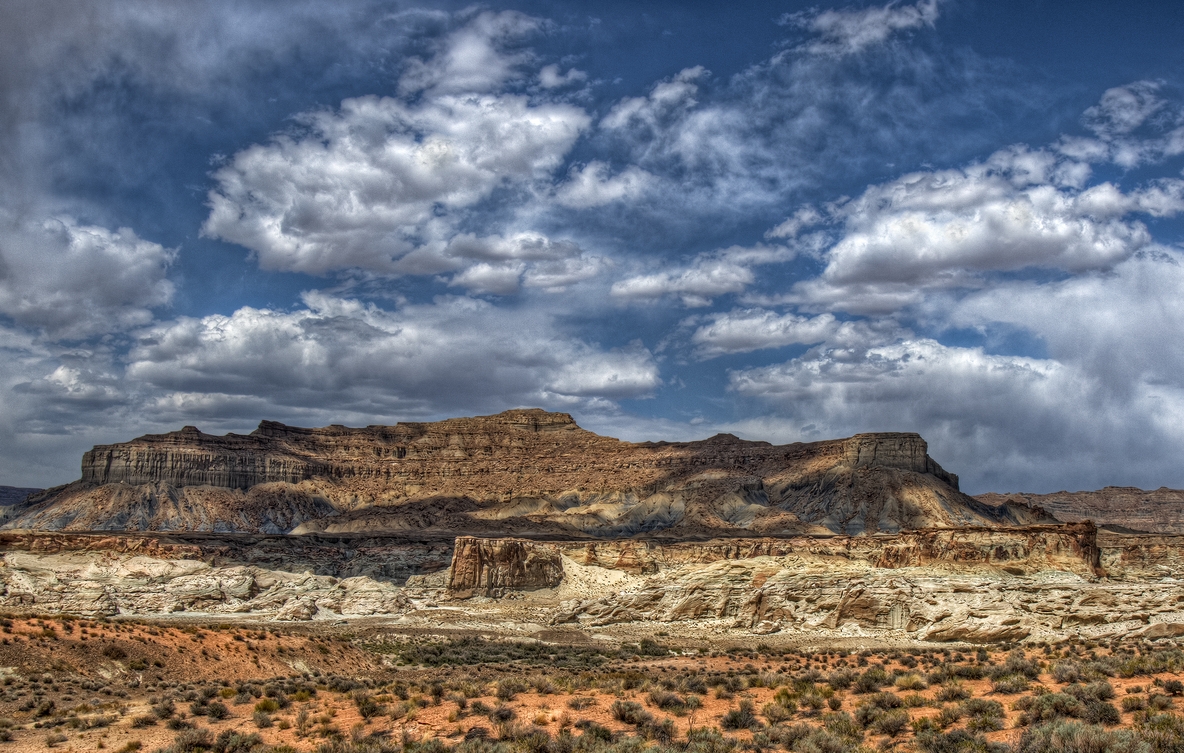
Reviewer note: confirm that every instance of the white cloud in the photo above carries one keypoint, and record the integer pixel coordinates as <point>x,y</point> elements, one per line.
<point>668,97</point>
<point>1120,325</point>
<point>1039,423</point>
<point>1132,125</point>
<point>746,330</point>
<point>73,281</point>
<point>804,217</point>
<point>474,58</point>
<point>457,354</point>
<point>551,78</point>
<point>377,179</point>
<point>847,31</point>
<point>946,229</point>
<point>592,186</point>
<point>710,275</point>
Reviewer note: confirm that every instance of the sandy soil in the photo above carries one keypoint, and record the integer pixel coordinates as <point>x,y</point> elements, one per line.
<point>81,685</point>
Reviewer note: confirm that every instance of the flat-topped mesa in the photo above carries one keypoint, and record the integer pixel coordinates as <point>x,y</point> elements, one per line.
<point>190,458</point>
<point>521,472</point>
<point>906,451</point>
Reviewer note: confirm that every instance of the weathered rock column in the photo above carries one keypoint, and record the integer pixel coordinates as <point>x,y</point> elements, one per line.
<point>490,567</point>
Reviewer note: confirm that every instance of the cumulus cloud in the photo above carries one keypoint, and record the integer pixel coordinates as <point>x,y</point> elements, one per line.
<point>848,31</point>
<point>1119,325</point>
<point>377,179</point>
<point>478,57</point>
<point>593,186</point>
<point>708,276</point>
<point>1132,125</point>
<point>384,184</point>
<point>456,354</point>
<point>73,281</point>
<point>746,330</point>
<point>667,97</point>
<point>944,229</point>
<point>551,78</point>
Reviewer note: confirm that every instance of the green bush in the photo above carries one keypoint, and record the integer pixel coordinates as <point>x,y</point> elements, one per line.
<point>1064,736</point>
<point>741,717</point>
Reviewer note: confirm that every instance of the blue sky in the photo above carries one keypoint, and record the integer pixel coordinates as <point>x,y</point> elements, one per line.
<point>787,221</point>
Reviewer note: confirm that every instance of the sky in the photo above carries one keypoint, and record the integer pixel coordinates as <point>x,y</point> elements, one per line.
<point>784,220</point>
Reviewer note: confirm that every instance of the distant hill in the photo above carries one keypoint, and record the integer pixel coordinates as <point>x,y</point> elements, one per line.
<point>1121,507</point>
<point>13,501</point>
<point>521,472</point>
<point>11,495</point>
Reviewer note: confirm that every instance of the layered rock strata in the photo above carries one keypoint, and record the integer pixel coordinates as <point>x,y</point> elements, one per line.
<point>1158,511</point>
<point>974,585</point>
<point>490,567</point>
<point>518,472</point>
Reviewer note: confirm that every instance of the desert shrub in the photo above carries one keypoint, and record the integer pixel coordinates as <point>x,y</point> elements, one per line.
<point>1096,691</point>
<point>262,719</point>
<point>1009,684</point>
<point>594,732</point>
<point>502,714</point>
<point>1173,687</point>
<point>843,727</point>
<point>957,741</point>
<point>508,688</point>
<point>741,717</point>
<point>1066,672</point>
<point>841,679</point>
<point>892,723</point>
<point>952,692</point>
<point>578,703</point>
<point>630,712</point>
<point>871,680</point>
<point>1101,712</point>
<point>775,713</point>
<point>1163,732</point>
<point>191,741</point>
<point>267,706</point>
<point>144,720</point>
<point>661,732</point>
<point>1134,703</point>
<point>112,651</point>
<point>910,681</point>
<point>708,740</point>
<point>1064,736</point>
<point>232,741</point>
<point>1016,664</point>
<point>1047,707</point>
<point>667,701</point>
<point>983,715</point>
<point>217,710</point>
<point>1159,702</point>
<point>368,708</point>
<point>949,715</point>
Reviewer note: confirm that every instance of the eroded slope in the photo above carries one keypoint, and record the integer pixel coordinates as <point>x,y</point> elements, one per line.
<point>526,472</point>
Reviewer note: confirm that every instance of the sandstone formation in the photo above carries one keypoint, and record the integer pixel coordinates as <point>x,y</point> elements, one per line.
<point>967,585</point>
<point>1125,507</point>
<point>522,472</point>
<point>490,567</point>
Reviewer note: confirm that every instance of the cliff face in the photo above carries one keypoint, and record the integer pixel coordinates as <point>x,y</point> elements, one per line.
<point>518,472</point>
<point>490,567</point>
<point>1127,507</point>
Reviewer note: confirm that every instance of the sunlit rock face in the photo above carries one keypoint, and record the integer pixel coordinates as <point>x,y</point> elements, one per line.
<point>522,472</point>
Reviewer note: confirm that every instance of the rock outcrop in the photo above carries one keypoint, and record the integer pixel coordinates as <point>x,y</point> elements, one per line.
<point>522,472</point>
<point>490,567</point>
<point>1122,507</point>
<point>972,585</point>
